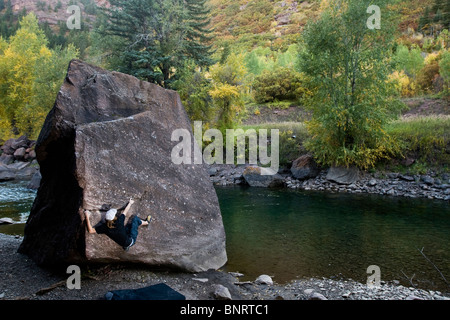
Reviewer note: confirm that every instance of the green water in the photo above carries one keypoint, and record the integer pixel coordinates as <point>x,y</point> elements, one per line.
<point>292,234</point>
<point>15,203</point>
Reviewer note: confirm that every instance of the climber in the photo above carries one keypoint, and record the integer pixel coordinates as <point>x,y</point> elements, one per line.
<point>115,228</point>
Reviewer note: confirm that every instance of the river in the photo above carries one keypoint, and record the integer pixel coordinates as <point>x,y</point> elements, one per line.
<point>292,234</point>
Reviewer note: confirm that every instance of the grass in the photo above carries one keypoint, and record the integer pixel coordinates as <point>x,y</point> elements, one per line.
<point>428,126</point>
<point>297,128</point>
<point>425,139</point>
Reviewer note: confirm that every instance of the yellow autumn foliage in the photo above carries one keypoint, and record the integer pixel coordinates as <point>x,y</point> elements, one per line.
<point>30,77</point>
<point>404,84</point>
<point>224,91</point>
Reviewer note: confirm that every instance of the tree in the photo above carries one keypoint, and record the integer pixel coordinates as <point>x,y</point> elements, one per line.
<point>228,83</point>
<point>156,37</point>
<point>346,69</point>
<point>435,18</point>
<point>30,77</point>
<point>441,12</point>
<point>409,61</point>
<point>253,63</point>
<point>9,20</point>
<point>425,20</point>
<point>194,87</point>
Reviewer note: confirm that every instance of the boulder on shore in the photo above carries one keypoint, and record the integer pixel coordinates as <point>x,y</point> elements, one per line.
<point>262,177</point>
<point>304,167</point>
<point>343,175</point>
<point>20,149</point>
<point>108,139</point>
<point>17,171</point>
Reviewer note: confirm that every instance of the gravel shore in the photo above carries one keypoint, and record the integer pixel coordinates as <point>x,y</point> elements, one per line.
<point>430,186</point>
<point>22,279</point>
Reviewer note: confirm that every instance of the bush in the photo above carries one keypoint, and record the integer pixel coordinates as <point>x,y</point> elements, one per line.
<point>404,84</point>
<point>427,76</point>
<point>280,84</point>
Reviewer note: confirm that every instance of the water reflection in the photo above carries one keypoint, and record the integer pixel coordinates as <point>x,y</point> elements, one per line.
<point>292,234</point>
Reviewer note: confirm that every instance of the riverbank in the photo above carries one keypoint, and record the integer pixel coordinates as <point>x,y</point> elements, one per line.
<point>429,186</point>
<point>22,279</point>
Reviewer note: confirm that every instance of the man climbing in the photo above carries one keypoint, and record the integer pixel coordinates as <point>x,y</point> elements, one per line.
<point>115,228</point>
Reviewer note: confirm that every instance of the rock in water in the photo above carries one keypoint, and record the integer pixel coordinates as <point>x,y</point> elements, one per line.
<point>108,138</point>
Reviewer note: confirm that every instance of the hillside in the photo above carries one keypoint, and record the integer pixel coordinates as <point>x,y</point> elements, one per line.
<point>53,11</point>
<point>278,22</point>
<point>244,23</point>
<point>261,20</point>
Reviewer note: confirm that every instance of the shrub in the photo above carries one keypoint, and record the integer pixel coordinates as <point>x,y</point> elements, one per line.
<point>404,84</point>
<point>280,84</point>
<point>427,76</point>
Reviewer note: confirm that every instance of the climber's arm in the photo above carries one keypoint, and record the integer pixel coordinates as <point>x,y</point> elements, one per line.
<point>88,222</point>
<point>125,212</point>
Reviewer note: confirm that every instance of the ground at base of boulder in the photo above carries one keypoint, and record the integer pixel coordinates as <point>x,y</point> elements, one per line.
<point>23,279</point>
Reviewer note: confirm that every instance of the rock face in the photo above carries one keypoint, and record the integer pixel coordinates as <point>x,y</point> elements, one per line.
<point>108,138</point>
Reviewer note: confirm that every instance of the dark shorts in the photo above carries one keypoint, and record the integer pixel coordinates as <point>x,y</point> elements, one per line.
<point>132,230</point>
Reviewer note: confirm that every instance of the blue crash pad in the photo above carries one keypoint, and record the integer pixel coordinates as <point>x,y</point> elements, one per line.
<point>156,292</point>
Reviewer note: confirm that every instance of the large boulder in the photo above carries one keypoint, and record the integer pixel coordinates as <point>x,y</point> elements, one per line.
<point>108,138</point>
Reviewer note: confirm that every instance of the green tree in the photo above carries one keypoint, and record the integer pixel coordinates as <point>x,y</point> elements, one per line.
<point>194,87</point>
<point>253,63</point>
<point>409,61</point>
<point>9,21</point>
<point>346,69</point>
<point>156,37</point>
<point>441,12</point>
